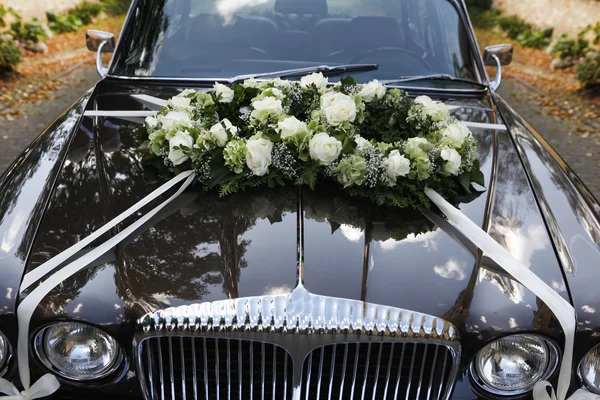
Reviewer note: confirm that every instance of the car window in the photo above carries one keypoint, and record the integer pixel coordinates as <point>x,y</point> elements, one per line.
<point>224,38</point>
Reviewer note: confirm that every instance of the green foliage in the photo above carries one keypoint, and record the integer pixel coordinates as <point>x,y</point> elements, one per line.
<point>28,31</point>
<point>513,26</point>
<point>3,12</point>
<point>483,18</point>
<point>481,4</point>
<point>566,47</point>
<point>59,23</point>
<point>86,11</point>
<point>10,55</point>
<point>538,39</point>
<point>588,72</point>
<point>116,7</point>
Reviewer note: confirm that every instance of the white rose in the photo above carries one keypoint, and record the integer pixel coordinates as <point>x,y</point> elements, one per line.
<point>316,79</point>
<point>152,122</point>
<point>226,94</point>
<point>218,133</point>
<point>437,110</point>
<point>371,91</point>
<point>290,126</point>
<point>324,148</point>
<point>174,119</point>
<point>418,143</point>
<point>362,144</point>
<point>258,156</point>
<point>343,109</point>
<point>453,161</point>
<point>250,83</point>
<point>329,98</point>
<point>269,104</point>
<point>277,93</point>
<point>396,165</point>
<point>457,133</point>
<point>180,103</point>
<point>180,139</point>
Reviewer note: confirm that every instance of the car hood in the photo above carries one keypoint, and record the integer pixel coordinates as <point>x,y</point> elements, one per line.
<point>205,248</point>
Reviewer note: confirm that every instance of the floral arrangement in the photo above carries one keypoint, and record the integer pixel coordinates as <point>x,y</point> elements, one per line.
<point>375,143</point>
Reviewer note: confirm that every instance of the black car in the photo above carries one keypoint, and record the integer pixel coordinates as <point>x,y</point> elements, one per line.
<point>158,315</point>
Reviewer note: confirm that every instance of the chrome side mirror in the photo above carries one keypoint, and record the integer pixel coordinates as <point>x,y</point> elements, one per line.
<point>100,42</point>
<point>497,56</point>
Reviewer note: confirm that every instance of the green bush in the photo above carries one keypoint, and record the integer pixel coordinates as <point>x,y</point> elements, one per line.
<point>116,7</point>
<point>63,23</point>
<point>514,26</point>
<point>3,12</point>
<point>86,11</point>
<point>33,31</point>
<point>10,55</point>
<point>481,4</point>
<point>483,18</point>
<point>566,47</point>
<point>588,72</point>
<point>538,39</point>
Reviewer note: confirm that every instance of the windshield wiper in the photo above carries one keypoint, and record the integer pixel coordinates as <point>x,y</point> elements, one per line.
<point>324,69</point>
<point>432,77</point>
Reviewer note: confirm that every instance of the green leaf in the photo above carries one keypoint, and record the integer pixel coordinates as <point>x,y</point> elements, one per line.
<point>465,182</point>
<point>348,81</point>
<point>478,177</point>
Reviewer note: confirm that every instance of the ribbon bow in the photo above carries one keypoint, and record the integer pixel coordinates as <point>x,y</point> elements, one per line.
<point>45,386</point>
<point>540,392</point>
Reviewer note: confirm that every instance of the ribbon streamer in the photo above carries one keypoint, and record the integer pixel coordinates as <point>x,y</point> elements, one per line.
<point>564,312</point>
<point>48,384</point>
<point>28,305</point>
<point>45,386</point>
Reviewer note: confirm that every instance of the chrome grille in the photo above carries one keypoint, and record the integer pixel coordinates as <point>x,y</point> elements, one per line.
<point>378,371</point>
<point>180,367</point>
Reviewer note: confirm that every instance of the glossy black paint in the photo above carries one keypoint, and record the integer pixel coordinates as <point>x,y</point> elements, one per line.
<point>203,248</point>
<point>82,172</point>
<point>25,189</point>
<point>572,216</point>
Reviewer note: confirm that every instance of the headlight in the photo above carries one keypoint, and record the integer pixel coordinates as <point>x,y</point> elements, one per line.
<point>4,351</point>
<point>514,364</point>
<point>589,369</point>
<point>77,351</point>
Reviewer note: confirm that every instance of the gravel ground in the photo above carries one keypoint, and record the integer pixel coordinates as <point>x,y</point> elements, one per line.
<point>34,118</point>
<point>582,154</point>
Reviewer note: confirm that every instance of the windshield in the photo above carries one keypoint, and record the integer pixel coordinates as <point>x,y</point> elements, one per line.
<point>221,39</point>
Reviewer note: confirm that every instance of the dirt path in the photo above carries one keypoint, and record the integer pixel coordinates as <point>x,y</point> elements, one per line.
<point>17,132</point>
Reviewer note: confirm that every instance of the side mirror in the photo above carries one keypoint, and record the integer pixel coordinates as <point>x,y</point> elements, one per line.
<point>497,56</point>
<point>100,42</point>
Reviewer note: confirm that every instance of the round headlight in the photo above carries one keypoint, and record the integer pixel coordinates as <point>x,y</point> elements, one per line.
<point>77,351</point>
<point>589,369</point>
<point>514,364</point>
<point>3,352</point>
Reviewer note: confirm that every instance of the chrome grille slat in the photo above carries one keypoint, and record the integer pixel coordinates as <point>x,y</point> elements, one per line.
<point>389,371</point>
<point>228,370</point>
<point>162,378</point>
<point>183,387</point>
<point>205,369</point>
<point>377,372</point>
<point>443,371</point>
<point>171,369</point>
<point>364,368</point>
<point>195,379</point>
<point>432,375</point>
<point>217,369</point>
<point>412,365</point>
<point>210,360</point>
<point>366,375</point>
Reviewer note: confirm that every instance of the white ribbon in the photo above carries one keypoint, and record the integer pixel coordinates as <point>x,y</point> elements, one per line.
<point>28,305</point>
<point>565,313</point>
<point>45,386</point>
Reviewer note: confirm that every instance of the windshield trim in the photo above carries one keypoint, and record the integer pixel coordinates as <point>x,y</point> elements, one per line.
<point>149,79</point>
<point>457,4</point>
